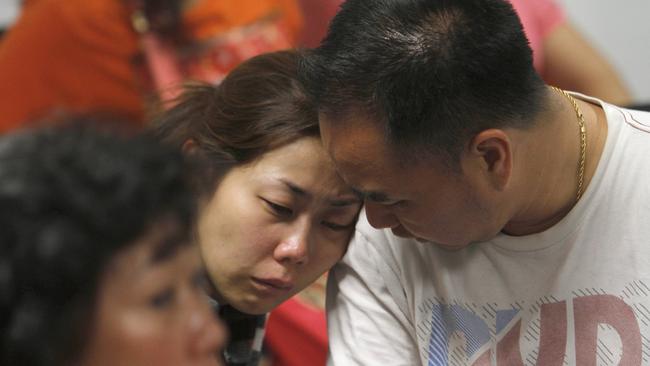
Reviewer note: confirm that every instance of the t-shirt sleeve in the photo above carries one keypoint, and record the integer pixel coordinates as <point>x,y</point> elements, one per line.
<point>365,324</point>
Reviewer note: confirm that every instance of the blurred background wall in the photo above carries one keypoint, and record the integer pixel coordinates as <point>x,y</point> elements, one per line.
<point>8,11</point>
<point>621,31</point>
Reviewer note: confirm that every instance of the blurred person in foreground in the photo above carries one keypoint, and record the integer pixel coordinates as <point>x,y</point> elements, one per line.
<point>505,219</point>
<point>96,262</point>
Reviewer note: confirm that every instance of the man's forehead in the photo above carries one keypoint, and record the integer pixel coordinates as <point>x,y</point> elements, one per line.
<point>363,158</point>
<point>354,142</point>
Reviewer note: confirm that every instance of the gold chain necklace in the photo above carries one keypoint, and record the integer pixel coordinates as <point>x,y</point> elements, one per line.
<point>583,139</point>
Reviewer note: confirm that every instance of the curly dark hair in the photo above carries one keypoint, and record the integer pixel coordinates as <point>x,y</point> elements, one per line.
<point>71,197</point>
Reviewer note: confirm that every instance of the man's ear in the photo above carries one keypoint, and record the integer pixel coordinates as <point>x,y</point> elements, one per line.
<point>491,151</point>
<point>189,147</point>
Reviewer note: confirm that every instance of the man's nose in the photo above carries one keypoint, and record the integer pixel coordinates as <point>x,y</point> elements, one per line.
<point>379,216</point>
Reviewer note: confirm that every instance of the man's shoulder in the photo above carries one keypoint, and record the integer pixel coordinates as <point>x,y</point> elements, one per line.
<point>639,120</point>
<point>629,137</point>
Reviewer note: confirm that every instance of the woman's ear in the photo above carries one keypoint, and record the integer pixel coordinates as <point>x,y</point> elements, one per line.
<point>189,147</point>
<point>492,149</point>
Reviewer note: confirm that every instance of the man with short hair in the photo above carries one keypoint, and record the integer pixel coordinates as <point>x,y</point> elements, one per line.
<point>513,214</point>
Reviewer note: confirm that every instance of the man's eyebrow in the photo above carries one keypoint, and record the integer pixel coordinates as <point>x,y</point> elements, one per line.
<point>359,193</point>
<point>345,202</point>
<point>373,196</point>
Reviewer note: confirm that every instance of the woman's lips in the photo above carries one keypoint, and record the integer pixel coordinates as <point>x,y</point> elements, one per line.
<point>274,283</point>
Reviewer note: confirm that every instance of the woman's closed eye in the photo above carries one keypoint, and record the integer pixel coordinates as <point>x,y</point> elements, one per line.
<point>278,209</point>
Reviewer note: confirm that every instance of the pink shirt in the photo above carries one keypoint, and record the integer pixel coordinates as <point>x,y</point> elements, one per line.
<point>539,18</point>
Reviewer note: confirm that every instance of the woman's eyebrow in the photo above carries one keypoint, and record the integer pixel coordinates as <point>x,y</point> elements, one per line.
<point>333,202</point>
<point>294,188</point>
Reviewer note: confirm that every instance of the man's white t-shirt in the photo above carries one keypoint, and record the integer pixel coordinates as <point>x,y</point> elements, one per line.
<point>575,294</point>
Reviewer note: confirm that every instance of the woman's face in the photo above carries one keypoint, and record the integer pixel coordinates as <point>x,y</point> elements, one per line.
<point>154,311</point>
<point>274,226</point>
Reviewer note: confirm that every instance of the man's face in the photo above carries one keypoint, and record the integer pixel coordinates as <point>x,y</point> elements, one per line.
<point>424,200</point>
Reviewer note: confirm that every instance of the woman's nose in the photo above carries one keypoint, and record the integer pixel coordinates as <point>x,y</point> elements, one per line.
<point>294,246</point>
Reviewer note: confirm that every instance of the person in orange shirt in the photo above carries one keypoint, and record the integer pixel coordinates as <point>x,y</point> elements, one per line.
<point>79,56</point>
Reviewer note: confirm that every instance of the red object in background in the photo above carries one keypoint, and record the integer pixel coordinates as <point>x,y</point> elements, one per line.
<point>296,334</point>
<point>80,56</point>
<point>317,15</point>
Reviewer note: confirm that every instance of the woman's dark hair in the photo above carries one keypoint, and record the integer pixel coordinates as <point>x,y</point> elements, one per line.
<point>71,198</point>
<point>258,107</point>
